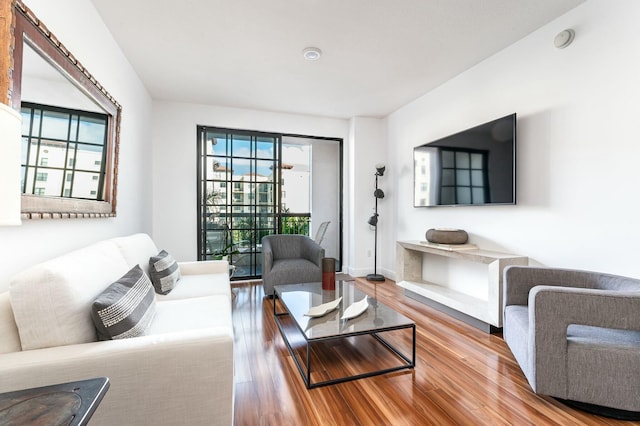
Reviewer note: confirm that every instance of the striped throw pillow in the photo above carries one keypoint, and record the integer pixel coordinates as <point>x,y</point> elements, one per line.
<point>126,308</point>
<point>164,272</point>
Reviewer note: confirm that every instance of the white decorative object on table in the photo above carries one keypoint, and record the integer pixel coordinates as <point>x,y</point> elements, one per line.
<point>325,308</point>
<point>356,309</point>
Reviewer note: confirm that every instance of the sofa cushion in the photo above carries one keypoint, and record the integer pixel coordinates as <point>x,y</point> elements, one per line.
<point>192,314</point>
<point>592,337</point>
<point>164,272</point>
<point>9,337</point>
<point>126,308</point>
<point>517,337</point>
<point>191,286</point>
<point>52,301</point>
<point>136,250</point>
<point>289,271</point>
<point>608,357</point>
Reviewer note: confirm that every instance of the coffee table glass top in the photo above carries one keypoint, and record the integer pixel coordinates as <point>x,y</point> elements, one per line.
<point>299,298</point>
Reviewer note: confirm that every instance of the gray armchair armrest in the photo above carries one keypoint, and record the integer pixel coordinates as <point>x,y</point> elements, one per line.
<point>312,251</point>
<point>267,257</point>
<point>552,309</point>
<point>519,280</point>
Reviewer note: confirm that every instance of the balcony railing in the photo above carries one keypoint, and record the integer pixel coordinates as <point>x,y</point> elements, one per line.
<point>243,244</point>
<point>295,223</point>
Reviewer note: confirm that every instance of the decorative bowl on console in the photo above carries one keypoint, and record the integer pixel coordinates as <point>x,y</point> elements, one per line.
<point>447,236</point>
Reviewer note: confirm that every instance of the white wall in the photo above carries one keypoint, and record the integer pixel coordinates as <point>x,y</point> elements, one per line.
<point>577,183</point>
<point>578,197</point>
<point>175,154</point>
<point>78,26</point>
<point>325,190</point>
<point>367,149</point>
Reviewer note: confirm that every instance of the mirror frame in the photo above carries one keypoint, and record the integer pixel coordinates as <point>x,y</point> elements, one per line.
<point>27,28</point>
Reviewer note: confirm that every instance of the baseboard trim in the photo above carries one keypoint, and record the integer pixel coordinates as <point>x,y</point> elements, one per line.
<point>474,322</point>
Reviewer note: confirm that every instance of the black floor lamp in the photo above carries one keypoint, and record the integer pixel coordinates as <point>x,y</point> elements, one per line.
<point>373,221</point>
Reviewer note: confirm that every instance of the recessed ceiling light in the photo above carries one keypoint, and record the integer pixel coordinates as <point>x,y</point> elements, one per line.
<point>312,53</point>
<point>564,38</point>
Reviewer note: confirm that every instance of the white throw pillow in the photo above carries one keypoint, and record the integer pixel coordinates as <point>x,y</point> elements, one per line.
<point>137,249</point>
<point>52,301</point>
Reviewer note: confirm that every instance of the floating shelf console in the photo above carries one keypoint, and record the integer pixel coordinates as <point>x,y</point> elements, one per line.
<point>483,314</point>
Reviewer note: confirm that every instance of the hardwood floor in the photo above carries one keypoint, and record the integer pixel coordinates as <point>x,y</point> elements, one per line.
<point>462,377</point>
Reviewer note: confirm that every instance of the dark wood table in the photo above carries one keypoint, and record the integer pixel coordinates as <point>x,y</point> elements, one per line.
<point>68,404</point>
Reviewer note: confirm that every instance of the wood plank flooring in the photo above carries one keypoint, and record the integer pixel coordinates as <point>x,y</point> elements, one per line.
<point>462,377</point>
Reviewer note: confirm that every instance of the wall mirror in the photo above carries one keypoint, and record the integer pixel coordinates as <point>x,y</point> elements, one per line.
<point>70,127</point>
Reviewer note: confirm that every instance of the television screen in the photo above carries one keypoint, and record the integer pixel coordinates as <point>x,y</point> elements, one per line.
<point>472,167</point>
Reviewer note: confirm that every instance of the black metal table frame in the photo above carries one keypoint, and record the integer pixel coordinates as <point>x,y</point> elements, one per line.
<point>306,377</point>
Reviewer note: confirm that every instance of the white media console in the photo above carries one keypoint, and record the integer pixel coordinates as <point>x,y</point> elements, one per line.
<point>484,313</point>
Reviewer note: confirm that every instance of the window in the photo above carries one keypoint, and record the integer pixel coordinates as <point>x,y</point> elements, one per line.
<point>75,146</point>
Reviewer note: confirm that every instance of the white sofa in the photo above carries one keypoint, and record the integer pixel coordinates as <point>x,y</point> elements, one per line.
<point>179,372</point>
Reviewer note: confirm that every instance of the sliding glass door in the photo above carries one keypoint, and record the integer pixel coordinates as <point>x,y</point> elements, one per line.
<point>252,184</point>
<point>238,195</point>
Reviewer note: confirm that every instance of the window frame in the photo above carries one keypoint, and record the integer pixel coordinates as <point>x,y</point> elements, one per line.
<point>69,167</point>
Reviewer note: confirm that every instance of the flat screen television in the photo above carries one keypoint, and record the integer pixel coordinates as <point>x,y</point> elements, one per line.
<point>474,167</point>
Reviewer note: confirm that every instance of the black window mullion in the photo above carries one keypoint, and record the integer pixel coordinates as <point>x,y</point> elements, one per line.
<point>64,170</point>
<point>277,188</point>
<point>103,165</point>
<point>26,166</point>
<point>200,182</point>
<point>39,139</point>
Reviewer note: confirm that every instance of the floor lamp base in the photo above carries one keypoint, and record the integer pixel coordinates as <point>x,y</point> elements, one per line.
<point>375,277</point>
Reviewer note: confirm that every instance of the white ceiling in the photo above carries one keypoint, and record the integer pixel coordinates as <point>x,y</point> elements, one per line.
<point>377,54</point>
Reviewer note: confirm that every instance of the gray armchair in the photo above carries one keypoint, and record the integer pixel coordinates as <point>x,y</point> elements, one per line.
<point>290,259</point>
<point>576,335</point>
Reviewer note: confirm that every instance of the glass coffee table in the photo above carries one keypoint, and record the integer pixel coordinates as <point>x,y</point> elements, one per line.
<point>333,349</point>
